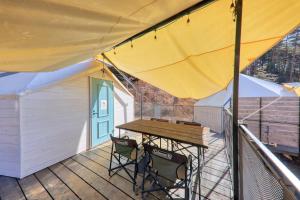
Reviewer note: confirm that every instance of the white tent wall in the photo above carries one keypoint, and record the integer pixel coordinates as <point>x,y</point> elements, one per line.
<point>9,136</point>
<point>54,124</point>
<point>49,124</point>
<point>209,111</point>
<point>209,116</point>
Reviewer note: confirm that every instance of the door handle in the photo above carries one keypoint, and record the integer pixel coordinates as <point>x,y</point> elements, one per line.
<point>94,113</point>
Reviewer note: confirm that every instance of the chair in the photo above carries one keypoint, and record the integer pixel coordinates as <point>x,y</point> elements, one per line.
<point>159,120</point>
<point>125,149</point>
<point>187,123</point>
<point>167,170</point>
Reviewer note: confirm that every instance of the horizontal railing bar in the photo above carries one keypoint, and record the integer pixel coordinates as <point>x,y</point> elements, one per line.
<point>275,122</point>
<point>275,161</point>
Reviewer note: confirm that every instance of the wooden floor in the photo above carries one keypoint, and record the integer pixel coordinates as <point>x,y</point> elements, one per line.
<point>85,176</point>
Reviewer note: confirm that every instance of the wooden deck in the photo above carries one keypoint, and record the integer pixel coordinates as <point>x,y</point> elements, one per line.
<point>85,176</point>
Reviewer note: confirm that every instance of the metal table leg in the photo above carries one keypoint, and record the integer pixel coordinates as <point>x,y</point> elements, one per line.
<point>119,137</point>
<point>159,142</point>
<point>167,144</point>
<point>198,172</point>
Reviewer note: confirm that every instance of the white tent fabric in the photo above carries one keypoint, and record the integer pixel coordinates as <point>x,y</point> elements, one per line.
<point>255,87</point>
<point>249,87</point>
<point>19,83</point>
<point>216,100</point>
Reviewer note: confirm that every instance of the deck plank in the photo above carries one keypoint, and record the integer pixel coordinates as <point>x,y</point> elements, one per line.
<point>81,188</point>
<point>103,186</point>
<point>86,176</point>
<point>118,181</point>
<point>56,187</point>
<point>105,162</point>
<point>9,189</point>
<point>103,157</point>
<point>33,189</point>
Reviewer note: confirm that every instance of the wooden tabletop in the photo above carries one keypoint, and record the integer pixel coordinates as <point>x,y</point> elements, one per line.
<point>178,132</point>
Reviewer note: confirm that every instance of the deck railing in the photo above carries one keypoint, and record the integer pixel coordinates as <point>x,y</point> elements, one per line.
<point>261,174</point>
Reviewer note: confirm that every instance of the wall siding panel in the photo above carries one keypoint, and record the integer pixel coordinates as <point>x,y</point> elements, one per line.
<point>55,121</point>
<point>209,116</point>
<point>9,136</point>
<point>54,124</point>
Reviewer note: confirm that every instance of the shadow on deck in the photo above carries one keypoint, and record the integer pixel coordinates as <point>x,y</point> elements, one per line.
<point>85,176</point>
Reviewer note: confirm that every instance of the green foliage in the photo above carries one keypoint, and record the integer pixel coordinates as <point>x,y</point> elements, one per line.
<point>282,61</point>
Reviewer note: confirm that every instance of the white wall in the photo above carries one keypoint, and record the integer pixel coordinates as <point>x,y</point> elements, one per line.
<point>9,136</point>
<point>55,121</point>
<point>209,116</point>
<point>54,124</point>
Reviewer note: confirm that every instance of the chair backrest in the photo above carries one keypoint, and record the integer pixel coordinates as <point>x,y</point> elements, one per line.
<point>159,120</point>
<point>125,147</point>
<point>187,123</point>
<point>168,164</point>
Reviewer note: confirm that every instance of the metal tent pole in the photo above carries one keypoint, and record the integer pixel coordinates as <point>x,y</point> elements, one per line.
<point>235,125</point>
<point>7,74</point>
<point>127,79</point>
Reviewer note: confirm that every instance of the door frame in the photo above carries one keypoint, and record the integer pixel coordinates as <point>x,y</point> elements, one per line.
<point>90,143</point>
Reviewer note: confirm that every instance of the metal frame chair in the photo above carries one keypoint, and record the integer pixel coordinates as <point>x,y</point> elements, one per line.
<point>159,120</point>
<point>124,148</point>
<point>164,169</point>
<point>187,123</point>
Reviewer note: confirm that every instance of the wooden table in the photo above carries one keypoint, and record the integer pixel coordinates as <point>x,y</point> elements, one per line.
<point>181,133</point>
<point>177,132</point>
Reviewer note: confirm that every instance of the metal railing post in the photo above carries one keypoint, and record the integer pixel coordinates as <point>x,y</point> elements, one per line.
<point>235,125</point>
<point>141,114</point>
<point>260,116</point>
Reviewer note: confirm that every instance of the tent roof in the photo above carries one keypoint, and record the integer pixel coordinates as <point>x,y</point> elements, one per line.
<point>255,87</point>
<point>215,100</point>
<point>249,87</point>
<point>23,82</point>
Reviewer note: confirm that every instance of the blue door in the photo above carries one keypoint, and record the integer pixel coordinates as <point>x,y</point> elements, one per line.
<point>102,110</point>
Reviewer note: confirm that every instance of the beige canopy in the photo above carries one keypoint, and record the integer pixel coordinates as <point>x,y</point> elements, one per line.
<point>195,58</point>
<point>44,35</point>
<point>190,57</point>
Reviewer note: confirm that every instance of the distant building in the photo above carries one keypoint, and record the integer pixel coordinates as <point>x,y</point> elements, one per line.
<point>249,87</point>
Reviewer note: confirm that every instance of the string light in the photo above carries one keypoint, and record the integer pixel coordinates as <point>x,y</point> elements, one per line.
<point>233,9</point>
<point>188,19</point>
<point>155,37</point>
<point>131,44</point>
<point>115,51</point>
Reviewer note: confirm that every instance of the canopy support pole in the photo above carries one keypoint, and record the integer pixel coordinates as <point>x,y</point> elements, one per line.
<point>126,78</point>
<point>235,125</point>
<point>7,74</point>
